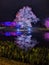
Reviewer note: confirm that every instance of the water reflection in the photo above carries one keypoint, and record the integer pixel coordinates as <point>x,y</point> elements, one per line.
<point>25,41</point>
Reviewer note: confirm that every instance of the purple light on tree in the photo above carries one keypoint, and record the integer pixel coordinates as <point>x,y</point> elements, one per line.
<point>13,23</point>
<point>46,36</point>
<point>24,17</point>
<point>46,23</point>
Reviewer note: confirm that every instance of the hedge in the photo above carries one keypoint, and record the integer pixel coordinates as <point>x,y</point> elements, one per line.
<point>34,56</point>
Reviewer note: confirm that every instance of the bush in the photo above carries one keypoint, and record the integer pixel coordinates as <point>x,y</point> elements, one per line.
<point>35,56</point>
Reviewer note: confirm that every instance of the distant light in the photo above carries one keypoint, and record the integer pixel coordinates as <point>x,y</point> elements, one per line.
<point>7,34</point>
<point>18,29</point>
<point>29,29</point>
<point>46,23</point>
<point>46,36</point>
<point>8,23</point>
<point>18,32</point>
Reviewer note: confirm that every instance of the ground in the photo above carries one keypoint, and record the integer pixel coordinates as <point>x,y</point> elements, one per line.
<point>6,61</point>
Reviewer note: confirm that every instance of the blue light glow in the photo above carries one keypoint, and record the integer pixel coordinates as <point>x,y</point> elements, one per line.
<point>17,26</point>
<point>8,23</point>
<point>29,29</point>
<point>18,32</point>
<point>7,34</point>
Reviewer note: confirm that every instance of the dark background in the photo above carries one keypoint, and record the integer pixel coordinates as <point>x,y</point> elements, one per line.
<point>8,9</point>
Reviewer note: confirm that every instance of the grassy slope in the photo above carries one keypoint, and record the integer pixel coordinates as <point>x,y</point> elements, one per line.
<point>5,61</point>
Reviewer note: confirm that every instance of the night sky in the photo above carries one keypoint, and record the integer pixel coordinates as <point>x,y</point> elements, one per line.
<point>8,8</point>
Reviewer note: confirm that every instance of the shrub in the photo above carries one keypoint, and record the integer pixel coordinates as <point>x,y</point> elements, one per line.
<point>35,56</point>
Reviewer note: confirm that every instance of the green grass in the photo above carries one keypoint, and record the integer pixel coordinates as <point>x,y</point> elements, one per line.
<point>35,56</point>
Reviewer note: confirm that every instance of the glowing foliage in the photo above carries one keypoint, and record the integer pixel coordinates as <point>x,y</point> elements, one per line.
<point>22,27</point>
<point>25,42</point>
<point>46,35</point>
<point>24,17</point>
<point>46,23</point>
